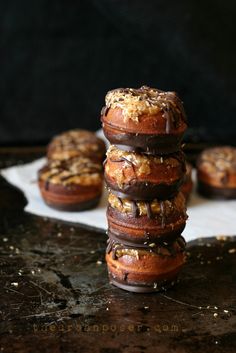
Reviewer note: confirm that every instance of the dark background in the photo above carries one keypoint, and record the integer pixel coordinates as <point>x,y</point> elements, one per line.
<point>58,59</point>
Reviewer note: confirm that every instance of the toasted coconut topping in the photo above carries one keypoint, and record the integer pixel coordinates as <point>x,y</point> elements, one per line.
<point>144,100</point>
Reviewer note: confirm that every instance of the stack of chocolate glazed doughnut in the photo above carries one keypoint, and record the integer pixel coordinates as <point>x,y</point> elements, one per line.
<point>144,170</point>
<point>72,178</point>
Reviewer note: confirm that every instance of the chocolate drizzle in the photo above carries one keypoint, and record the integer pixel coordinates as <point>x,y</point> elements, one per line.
<point>225,178</point>
<point>123,159</point>
<point>179,156</point>
<point>109,246</point>
<point>115,247</point>
<point>149,210</point>
<point>47,181</point>
<point>67,177</point>
<point>120,200</point>
<point>163,216</point>
<point>135,210</point>
<point>67,169</point>
<point>168,117</point>
<point>172,117</point>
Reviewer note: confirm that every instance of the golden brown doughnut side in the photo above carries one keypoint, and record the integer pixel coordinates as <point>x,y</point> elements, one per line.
<point>155,124</point>
<point>73,184</point>
<point>73,199</point>
<point>142,267</point>
<point>144,177</point>
<point>145,119</point>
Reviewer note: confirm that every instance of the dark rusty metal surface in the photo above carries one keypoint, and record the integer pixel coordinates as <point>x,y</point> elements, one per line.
<point>55,296</point>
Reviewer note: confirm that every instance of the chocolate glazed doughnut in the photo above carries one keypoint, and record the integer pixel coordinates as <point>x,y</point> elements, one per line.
<point>76,143</point>
<point>145,269</point>
<point>142,177</point>
<point>142,221</point>
<point>216,172</point>
<point>72,185</point>
<point>144,120</point>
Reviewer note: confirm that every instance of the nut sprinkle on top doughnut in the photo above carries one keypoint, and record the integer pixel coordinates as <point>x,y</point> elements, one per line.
<point>144,100</point>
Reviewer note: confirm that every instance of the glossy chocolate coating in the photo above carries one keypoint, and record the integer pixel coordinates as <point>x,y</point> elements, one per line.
<point>142,288</point>
<point>145,191</point>
<point>146,239</point>
<point>145,143</point>
<point>217,193</point>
